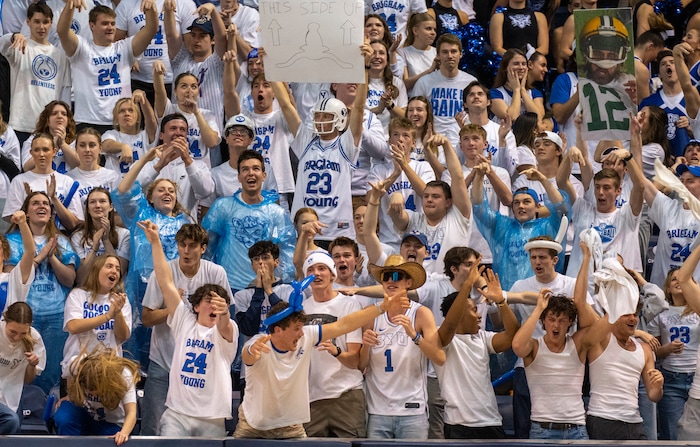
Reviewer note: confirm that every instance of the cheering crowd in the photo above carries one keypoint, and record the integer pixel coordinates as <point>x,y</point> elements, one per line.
<point>351,256</point>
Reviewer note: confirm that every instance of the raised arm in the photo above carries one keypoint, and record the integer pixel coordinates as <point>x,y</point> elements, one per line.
<point>160,93</point>
<point>690,93</point>
<point>564,176</point>
<point>26,264</point>
<point>448,327</point>
<point>68,38</point>
<point>144,36</point>
<point>232,102</point>
<point>164,276</point>
<point>460,194</point>
<point>130,177</point>
<point>690,288</point>
<point>524,346</point>
<point>172,32</point>
<point>288,109</point>
<point>369,228</point>
<point>586,314</point>
<point>397,303</point>
<point>358,105</point>
<point>148,115</point>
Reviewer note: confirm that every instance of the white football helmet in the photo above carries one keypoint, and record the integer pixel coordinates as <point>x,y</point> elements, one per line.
<point>339,111</point>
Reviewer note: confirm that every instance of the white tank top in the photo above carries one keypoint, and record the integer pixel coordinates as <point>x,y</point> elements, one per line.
<point>615,383</point>
<point>555,381</point>
<point>397,373</point>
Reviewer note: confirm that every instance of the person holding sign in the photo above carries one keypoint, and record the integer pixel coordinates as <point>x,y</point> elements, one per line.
<point>607,92</point>
<point>328,151</point>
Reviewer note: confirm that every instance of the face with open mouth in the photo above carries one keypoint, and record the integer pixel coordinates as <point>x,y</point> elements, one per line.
<point>190,253</point>
<point>413,250</point>
<point>324,276</point>
<point>556,326</point>
<point>39,209</point>
<point>164,197</point>
<point>109,274</point>
<point>262,94</point>
<point>251,175</point>
<point>627,324</point>
<point>345,261</point>
<point>542,263</point>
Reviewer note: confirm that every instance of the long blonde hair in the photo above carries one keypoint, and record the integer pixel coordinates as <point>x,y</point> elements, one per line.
<point>92,282</point>
<point>101,373</point>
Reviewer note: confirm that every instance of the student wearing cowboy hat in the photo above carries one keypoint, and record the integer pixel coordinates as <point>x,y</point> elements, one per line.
<point>394,354</point>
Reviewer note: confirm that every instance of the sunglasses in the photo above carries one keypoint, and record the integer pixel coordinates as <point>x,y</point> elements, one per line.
<point>394,276</point>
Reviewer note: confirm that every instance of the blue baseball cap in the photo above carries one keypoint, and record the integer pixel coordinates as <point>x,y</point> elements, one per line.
<point>203,23</point>
<point>422,238</point>
<point>695,170</point>
<point>529,191</point>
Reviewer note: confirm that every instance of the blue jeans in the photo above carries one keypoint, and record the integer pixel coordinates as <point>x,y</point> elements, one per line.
<point>676,388</point>
<point>542,431</point>
<point>397,427</point>
<point>9,421</point>
<point>521,404</point>
<point>51,329</point>
<point>153,404</point>
<point>72,420</point>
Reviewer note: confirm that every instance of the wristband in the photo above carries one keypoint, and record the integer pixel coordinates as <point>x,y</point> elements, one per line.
<point>379,306</point>
<point>250,353</point>
<point>340,351</point>
<point>628,158</point>
<point>367,67</point>
<point>417,339</point>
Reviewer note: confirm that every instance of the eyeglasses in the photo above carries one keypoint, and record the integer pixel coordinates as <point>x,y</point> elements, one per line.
<point>236,131</point>
<point>265,257</point>
<point>394,276</point>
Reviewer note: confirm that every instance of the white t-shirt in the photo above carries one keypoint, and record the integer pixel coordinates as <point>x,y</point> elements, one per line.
<point>247,21</point>
<point>100,177</point>
<point>37,182</point>
<point>38,77</point>
<point>162,343</point>
<point>79,306</point>
<point>13,363</point>
<point>198,150</point>
<point>12,287</point>
<point>122,248</point>
<point>131,19</point>
<point>139,144</point>
<point>9,147</point>
<point>201,367</point>
<point>226,180</point>
<point>678,228</point>
<point>445,95</point>
<point>272,139</point>
<point>465,381</point>
<point>412,201</point>
<point>452,231</point>
<point>104,76</point>
<point>414,60</point>
<point>618,231</point>
<point>376,89</point>
<point>328,378</point>
<point>675,324</point>
<point>395,12</point>
<point>277,385</point>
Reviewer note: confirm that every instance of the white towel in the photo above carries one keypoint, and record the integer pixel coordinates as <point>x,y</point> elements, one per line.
<point>618,292</point>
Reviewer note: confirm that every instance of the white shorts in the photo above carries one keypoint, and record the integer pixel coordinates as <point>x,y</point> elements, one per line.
<point>174,424</point>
